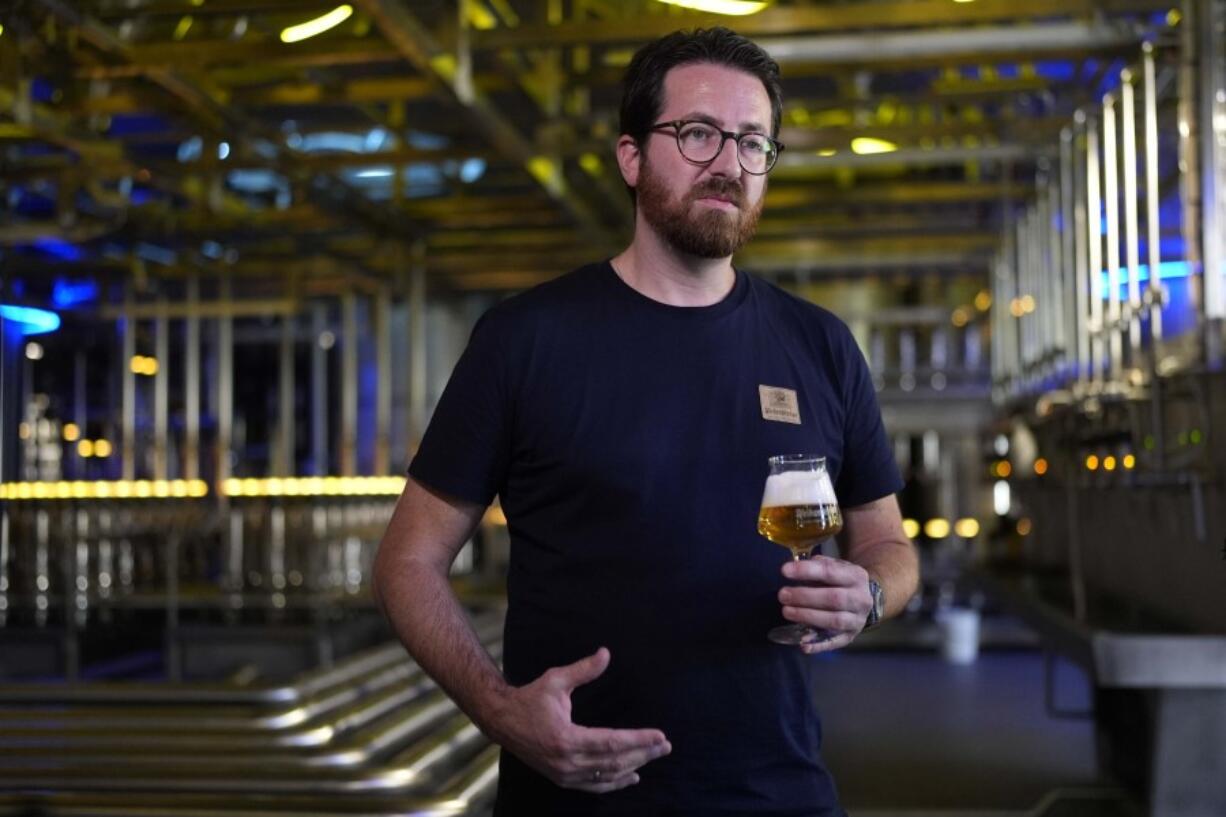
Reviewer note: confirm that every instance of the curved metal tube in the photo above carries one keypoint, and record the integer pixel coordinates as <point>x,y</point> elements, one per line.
<point>469,787</point>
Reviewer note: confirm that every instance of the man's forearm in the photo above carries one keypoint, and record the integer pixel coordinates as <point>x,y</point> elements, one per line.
<point>430,622</point>
<point>895,567</point>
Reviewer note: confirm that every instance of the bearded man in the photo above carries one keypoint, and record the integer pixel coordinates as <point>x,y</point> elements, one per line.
<point>624,414</point>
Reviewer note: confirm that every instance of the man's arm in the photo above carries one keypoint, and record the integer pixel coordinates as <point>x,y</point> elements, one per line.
<point>412,587</point>
<point>835,593</point>
<point>873,538</point>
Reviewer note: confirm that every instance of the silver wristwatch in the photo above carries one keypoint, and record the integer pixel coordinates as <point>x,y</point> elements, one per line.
<point>878,611</point>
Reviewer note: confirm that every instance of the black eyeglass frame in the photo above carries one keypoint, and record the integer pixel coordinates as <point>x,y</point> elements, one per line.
<point>724,136</point>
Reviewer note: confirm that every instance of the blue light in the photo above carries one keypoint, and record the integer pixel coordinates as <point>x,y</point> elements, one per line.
<point>59,248</point>
<point>1058,70</point>
<point>29,320</point>
<point>471,170</point>
<point>42,90</point>
<point>1167,270</point>
<point>1111,79</point>
<point>67,294</point>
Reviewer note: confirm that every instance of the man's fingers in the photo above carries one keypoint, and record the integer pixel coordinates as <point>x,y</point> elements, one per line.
<point>826,570</point>
<point>827,645</point>
<point>583,671</point>
<point>833,599</point>
<point>834,621</point>
<point>605,784</point>
<point>624,760</point>
<point>596,743</point>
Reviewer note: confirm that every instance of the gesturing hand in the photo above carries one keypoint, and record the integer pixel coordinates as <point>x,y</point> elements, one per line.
<point>535,725</point>
<point>836,599</point>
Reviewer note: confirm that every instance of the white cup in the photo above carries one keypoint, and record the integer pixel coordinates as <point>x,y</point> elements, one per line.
<point>960,634</point>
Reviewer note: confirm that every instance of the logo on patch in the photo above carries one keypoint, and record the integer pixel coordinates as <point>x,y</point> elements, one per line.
<point>779,404</point>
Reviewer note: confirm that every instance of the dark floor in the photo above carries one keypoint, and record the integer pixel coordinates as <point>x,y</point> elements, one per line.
<point>907,732</point>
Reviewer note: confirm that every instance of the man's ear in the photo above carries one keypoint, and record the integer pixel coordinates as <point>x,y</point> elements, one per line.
<point>628,158</point>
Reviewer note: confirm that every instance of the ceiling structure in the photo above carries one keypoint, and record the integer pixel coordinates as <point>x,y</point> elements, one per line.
<point>165,138</point>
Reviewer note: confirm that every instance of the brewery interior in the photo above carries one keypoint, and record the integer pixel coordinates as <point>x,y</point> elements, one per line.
<point>243,243</point>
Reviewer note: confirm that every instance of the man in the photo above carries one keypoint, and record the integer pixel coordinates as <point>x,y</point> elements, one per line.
<point>621,414</point>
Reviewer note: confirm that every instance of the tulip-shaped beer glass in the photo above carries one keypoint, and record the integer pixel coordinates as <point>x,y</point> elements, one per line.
<point>799,510</point>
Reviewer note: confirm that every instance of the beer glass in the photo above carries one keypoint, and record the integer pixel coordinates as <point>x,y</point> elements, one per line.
<point>799,510</point>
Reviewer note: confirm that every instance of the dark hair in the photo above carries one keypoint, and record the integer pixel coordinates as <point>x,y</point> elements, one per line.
<point>643,85</point>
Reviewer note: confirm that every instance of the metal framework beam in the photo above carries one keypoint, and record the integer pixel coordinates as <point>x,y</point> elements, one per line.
<point>786,21</point>
<point>418,46</point>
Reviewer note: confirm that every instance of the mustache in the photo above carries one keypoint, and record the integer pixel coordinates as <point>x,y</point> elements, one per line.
<point>729,189</point>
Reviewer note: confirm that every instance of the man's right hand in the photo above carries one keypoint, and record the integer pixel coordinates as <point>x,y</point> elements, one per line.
<point>534,724</point>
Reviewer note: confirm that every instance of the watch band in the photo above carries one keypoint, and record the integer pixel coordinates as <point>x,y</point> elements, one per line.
<point>878,609</point>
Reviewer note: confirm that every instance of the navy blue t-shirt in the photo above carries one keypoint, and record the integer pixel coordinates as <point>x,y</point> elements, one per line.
<point>628,443</point>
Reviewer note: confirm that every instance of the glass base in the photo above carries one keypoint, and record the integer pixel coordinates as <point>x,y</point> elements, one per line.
<point>796,634</point>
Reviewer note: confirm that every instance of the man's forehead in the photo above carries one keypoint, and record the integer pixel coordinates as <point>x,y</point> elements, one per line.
<point>715,90</point>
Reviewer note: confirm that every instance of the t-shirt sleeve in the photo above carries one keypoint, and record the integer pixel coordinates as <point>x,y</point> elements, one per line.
<point>464,452</point>
<point>869,471</point>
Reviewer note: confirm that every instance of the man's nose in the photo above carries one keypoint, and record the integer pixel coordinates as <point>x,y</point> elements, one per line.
<point>726,162</point>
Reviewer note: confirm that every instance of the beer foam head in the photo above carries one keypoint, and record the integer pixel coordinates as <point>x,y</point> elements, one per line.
<point>798,488</point>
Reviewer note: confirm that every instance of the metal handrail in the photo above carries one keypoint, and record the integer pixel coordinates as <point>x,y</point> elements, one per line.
<point>469,787</point>
<point>428,737</point>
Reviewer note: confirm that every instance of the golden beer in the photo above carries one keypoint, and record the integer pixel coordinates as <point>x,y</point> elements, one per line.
<point>798,510</point>
<point>799,528</point>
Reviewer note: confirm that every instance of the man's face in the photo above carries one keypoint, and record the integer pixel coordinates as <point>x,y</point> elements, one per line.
<point>709,210</point>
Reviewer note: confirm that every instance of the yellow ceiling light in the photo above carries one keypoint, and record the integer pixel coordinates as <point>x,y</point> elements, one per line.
<point>936,528</point>
<point>911,528</point>
<point>734,8</point>
<point>480,18</point>
<point>72,432</point>
<point>591,164</point>
<point>102,448</point>
<point>319,25</point>
<point>867,145</point>
<point>967,528</point>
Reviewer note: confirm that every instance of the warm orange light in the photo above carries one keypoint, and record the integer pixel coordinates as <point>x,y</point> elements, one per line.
<point>1108,463</point>
<point>1130,462</point>
<point>1040,466</point>
<point>1092,462</point>
<point>1023,527</point>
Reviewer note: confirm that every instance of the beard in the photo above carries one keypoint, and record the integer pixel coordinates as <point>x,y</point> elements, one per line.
<point>705,232</point>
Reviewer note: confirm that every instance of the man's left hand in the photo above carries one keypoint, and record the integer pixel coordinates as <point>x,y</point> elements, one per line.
<point>834,597</point>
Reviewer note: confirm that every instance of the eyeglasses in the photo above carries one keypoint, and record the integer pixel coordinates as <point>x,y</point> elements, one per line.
<point>701,142</point>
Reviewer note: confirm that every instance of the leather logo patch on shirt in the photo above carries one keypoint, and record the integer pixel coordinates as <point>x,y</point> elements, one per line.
<point>779,404</point>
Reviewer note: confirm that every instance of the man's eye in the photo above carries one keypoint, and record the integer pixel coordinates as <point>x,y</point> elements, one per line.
<point>697,134</point>
<point>754,144</point>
